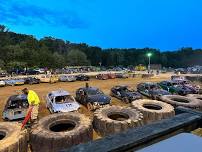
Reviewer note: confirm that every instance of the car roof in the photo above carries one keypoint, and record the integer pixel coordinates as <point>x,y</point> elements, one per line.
<point>120,86</point>
<point>17,97</point>
<point>90,88</point>
<point>59,93</point>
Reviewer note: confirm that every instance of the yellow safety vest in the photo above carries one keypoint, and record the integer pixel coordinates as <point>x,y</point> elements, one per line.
<point>33,98</point>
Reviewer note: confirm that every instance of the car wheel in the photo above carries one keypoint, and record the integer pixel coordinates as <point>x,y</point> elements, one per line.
<point>125,100</point>
<point>153,110</point>
<point>90,106</point>
<point>60,131</point>
<point>12,138</point>
<point>116,119</point>
<point>80,110</point>
<point>154,97</point>
<point>111,94</point>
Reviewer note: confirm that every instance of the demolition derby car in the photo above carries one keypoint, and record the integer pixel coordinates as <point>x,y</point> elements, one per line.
<point>102,77</point>
<point>122,75</point>
<point>188,84</point>
<point>2,83</point>
<point>48,78</point>
<point>67,78</point>
<point>16,107</point>
<point>125,94</point>
<point>151,90</point>
<point>61,101</point>
<point>176,88</point>
<point>82,77</point>
<point>14,82</point>
<point>31,80</point>
<point>93,98</point>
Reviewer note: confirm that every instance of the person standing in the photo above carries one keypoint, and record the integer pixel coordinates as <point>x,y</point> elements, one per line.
<point>34,102</point>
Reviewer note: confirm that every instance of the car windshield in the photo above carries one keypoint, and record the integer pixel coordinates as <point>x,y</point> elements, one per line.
<point>175,84</point>
<point>94,92</point>
<point>155,87</point>
<point>64,99</point>
<point>12,104</point>
<point>125,89</point>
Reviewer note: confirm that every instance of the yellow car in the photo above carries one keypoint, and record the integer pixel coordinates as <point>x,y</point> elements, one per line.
<point>48,78</point>
<point>140,68</point>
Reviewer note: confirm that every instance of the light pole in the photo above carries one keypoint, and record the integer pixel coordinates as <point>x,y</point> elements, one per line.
<point>149,66</point>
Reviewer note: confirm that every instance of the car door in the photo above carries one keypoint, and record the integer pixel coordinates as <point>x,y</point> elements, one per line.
<point>164,85</point>
<point>114,91</point>
<point>49,98</point>
<point>118,93</point>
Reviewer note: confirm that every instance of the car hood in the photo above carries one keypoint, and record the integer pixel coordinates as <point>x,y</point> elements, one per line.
<point>100,98</point>
<point>193,87</point>
<point>159,92</point>
<point>183,88</point>
<point>66,107</point>
<point>132,94</point>
<point>2,82</point>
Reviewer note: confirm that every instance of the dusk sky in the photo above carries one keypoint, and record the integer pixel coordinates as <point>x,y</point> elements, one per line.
<point>162,24</point>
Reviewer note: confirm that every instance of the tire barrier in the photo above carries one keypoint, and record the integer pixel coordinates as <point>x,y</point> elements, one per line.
<point>177,100</point>
<point>12,138</point>
<point>153,110</point>
<point>196,96</point>
<point>115,119</point>
<point>59,131</point>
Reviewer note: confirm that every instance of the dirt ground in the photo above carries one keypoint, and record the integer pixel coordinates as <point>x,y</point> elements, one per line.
<point>105,85</point>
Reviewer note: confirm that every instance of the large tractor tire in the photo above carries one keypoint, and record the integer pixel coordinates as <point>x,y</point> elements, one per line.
<point>153,110</point>
<point>177,100</point>
<point>195,96</point>
<point>60,131</point>
<point>115,119</point>
<point>12,138</point>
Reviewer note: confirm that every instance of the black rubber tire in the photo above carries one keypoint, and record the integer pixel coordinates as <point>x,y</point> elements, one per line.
<point>15,139</point>
<point>111,94</point>
<point>44,139</point>
<point>177,100</point>
<point>105,125</point>
<point>90,106</point>
<point>153,110</point>
<point>125,100</point>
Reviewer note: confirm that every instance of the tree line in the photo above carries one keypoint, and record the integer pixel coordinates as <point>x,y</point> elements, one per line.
<point>20,50</point>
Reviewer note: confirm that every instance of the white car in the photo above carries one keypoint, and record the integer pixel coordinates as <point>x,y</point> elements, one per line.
<point>61,101</point>
<point>2,83</point>
<point>67,78</point>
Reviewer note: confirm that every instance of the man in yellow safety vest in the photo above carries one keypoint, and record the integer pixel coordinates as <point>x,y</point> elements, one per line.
<point>34,102</point>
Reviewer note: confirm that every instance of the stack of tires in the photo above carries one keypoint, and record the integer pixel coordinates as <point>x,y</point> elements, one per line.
<point>60,131</point>
<point>153,110</point>
<point>116,119</point>
<point>190,101</point>
<point>12,138</point>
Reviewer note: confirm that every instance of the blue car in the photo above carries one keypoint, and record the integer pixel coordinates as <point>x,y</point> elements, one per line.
<point>14,82</point>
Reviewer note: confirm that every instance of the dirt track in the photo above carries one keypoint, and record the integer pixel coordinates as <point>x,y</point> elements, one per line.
<point>44,88</point>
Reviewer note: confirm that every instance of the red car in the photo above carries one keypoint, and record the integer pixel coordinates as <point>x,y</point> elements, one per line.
<point>111,76</point>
